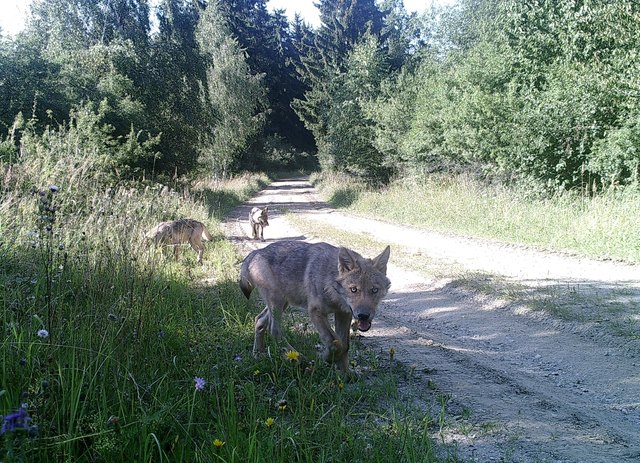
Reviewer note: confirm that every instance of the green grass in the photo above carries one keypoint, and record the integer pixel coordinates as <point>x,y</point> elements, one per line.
<point>129,329</point>
<point>562,301</point>
<point>605,226</point>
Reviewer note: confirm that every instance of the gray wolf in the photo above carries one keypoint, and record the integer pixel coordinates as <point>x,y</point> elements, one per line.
<point>321,278</point>
<point>176,232</point>
<point>259,218</point>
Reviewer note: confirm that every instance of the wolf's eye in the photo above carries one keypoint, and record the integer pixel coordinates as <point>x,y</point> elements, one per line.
<point>354,289</point>
<point>374,290</point>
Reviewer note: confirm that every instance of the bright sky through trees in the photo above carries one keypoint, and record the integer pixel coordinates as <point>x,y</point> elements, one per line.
<point>13,12</point>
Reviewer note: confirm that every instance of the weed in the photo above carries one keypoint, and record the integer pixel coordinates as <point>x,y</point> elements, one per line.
<point>599,227</point>
<point>120,354</point>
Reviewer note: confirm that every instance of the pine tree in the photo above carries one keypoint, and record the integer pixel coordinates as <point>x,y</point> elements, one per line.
<point>234,95</point>
<point>267,40</point>
<point>174,82</point>
<point>331,60</point>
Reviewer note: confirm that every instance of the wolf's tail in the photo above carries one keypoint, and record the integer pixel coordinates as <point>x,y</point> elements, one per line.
<point>206,233</point>
<point>245,282</point>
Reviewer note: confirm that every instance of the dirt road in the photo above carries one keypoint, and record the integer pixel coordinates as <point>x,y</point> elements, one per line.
<point>550,374</point>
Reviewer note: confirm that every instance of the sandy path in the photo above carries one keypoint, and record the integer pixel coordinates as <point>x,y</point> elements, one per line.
<point>527,387</point>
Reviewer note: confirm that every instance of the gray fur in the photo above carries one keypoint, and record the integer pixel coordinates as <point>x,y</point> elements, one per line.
<point>259,218</point>
<point>321,278</point>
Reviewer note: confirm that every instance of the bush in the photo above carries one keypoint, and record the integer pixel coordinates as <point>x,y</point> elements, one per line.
<point>616,157</point>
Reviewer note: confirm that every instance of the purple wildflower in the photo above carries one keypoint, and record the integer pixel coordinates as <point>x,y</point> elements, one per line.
<point>16,420</point>
<point>237,358</point>
<point>200,382</point>
<point>43,333</point>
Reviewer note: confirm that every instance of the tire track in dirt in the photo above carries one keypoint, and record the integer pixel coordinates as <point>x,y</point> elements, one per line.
<point>531,387</point>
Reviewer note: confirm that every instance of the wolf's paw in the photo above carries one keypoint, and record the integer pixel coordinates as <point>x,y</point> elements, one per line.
<point>336,349</point>
<point>349,375</point>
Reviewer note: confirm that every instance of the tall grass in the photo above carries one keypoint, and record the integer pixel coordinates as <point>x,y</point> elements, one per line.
<point>101,338</point>
<point>604,226</point>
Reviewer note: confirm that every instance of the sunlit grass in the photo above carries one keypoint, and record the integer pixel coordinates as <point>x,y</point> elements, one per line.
<point>604,226</point>
<point>148,358</point>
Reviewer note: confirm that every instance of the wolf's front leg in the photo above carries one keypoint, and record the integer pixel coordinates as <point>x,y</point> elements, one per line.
<point>333,346</point>
<point>343,331</point>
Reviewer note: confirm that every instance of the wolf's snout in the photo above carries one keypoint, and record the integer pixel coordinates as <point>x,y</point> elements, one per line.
<point>363,321</point>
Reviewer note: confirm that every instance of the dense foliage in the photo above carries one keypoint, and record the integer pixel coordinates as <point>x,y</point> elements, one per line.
<point>544,92</point>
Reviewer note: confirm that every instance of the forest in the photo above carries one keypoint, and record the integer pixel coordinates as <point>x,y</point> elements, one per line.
<point>510,120</point>
<point>537,92</point>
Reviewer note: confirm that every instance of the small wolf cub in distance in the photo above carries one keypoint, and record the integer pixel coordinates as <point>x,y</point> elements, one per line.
<point>259,218</point>
<point>176,232</point>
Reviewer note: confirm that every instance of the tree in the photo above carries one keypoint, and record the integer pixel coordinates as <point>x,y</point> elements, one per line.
<point>331,68</point>
<point>350,133</point>
<point>234,97</point>
<point>174,85</point>
<point>266,38</point>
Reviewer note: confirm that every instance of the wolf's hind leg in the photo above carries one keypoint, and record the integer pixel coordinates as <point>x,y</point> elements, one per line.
<point>263,320</point>
<point>276,330</point>
<point>197,246</point>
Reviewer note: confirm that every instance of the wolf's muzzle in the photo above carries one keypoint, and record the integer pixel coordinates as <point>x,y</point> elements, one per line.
<point>363,320</point>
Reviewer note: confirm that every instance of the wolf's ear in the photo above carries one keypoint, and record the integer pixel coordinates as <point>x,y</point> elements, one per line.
<point>346,261</point>
<point>266,208</point>
<point>380,262</point>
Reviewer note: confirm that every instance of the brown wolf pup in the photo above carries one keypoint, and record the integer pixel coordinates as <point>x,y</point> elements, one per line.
<point>324,280</point>
<point>259,219</point>
<point>178,232</point>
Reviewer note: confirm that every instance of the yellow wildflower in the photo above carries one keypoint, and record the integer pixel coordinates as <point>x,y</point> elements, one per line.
<point>217,443</point>
<point>293,356</point>
<point>269,422</point>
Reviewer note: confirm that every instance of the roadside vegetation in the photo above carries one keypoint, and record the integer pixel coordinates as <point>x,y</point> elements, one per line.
<point>601,226</point>
<point>598,227</point>
<point>112,351</point>
<point>118,114</point>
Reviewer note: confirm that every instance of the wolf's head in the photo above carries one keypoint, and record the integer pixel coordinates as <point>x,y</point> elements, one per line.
<point>261,215</point>
<point>156,233</point>
<point>363,284</point>
<point>264,216</point>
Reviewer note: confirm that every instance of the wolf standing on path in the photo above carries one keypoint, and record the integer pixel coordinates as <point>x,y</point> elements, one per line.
<point>178,232</point>
<point>259,219</point>
<point>323,279</point>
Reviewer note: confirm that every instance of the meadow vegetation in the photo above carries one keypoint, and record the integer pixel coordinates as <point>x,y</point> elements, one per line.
<point>603,226</point>
<point>112,351</point>
<point>118,114</point>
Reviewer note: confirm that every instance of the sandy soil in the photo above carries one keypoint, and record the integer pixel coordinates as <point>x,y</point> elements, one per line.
<point>522,384</point>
